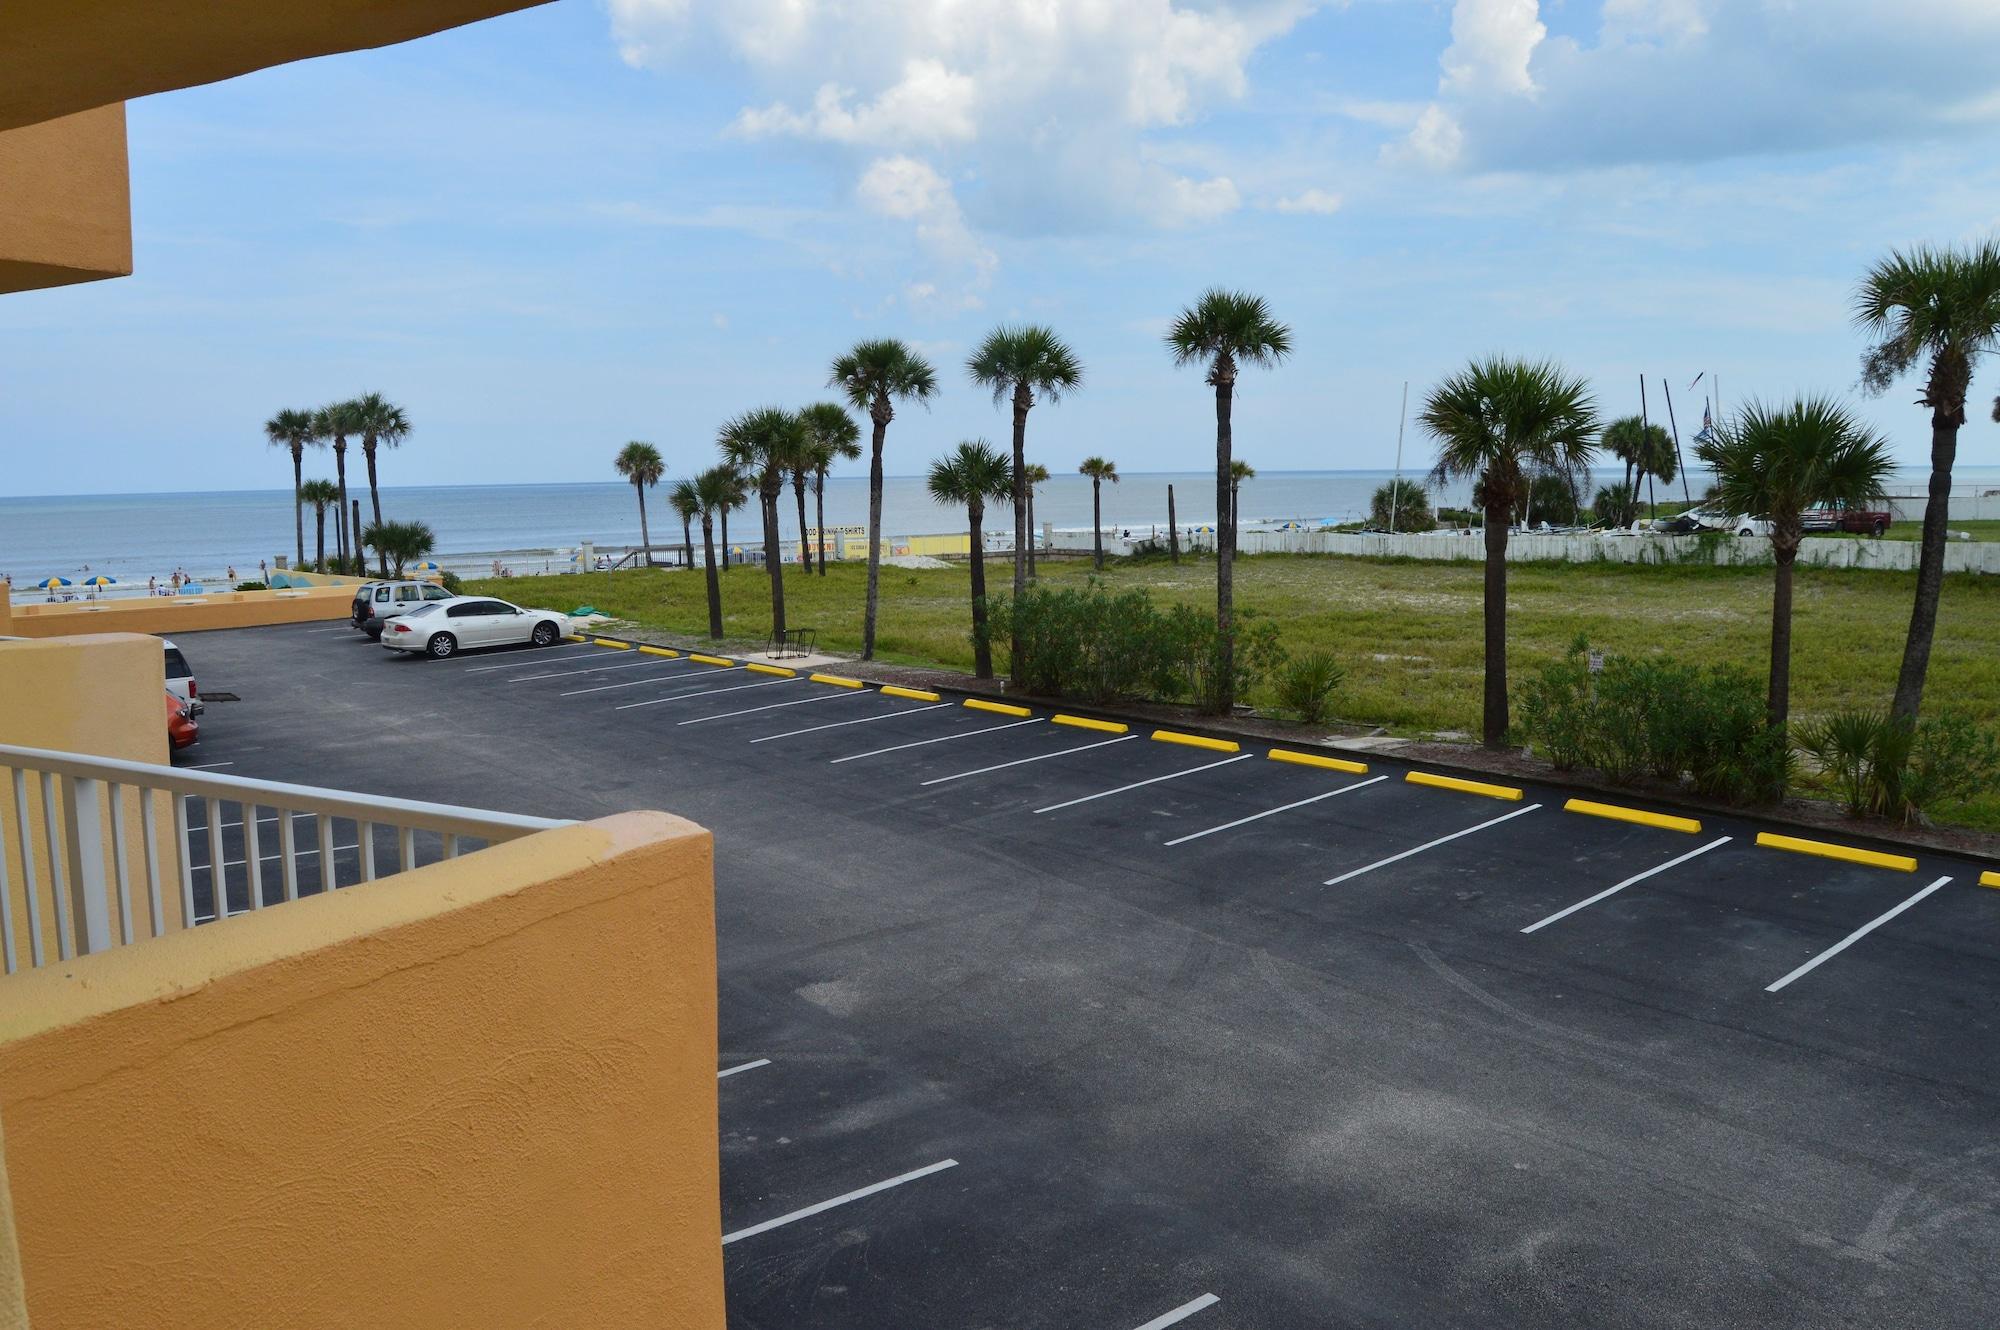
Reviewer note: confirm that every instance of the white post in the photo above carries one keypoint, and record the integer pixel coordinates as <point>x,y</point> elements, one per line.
<point>89,887</point>
<point>1395,490</point>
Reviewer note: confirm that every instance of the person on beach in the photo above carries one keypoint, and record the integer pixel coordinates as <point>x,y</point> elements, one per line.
<point>152,586</point>
<point>232,572</point>
<point>264,571</point>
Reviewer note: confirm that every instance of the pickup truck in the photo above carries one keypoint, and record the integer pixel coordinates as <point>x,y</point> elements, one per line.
<point>1839,517</point>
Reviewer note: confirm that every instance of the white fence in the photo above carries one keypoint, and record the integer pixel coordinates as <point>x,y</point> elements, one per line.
<point>66,829</point>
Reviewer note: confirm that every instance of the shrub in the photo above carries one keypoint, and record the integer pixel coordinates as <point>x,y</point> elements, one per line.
<point>252,585</point>
<point>1658,716</point>
<point>452,582</point>
<point>1305,686</point>
<point>1458,517</point>
<point>1879,765</point>
<point>1407,502</point>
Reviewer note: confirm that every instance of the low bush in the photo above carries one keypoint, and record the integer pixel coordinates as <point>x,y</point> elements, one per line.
<point>1095,646</point>
<point>252,585</point>
<point>1881,766</point>
<point>452,582</point>
<point>1700,727</point>
<point>1305,685</point>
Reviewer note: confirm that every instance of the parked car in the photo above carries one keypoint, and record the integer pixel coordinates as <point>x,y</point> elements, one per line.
<point>463,623</point>
<point>180,679</point>
<point>375,603</point>
<point>1840,517</point>
<point>182,728</point>
<point>1714,519</point>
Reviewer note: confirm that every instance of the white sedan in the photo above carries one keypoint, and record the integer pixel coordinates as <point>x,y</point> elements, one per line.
<point>443,628</point>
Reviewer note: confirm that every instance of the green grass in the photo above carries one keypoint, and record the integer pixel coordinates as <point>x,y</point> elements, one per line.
<point>1407,631</point>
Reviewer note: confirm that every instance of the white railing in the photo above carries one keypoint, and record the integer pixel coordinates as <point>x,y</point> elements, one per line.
<point>67,847</point>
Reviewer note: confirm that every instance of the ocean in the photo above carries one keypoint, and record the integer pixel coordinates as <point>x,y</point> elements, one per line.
<point>532,528</point>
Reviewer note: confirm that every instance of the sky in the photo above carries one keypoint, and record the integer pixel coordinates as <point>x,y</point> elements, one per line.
<point>603,220</point>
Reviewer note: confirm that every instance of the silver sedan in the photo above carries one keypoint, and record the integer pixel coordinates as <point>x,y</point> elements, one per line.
<point>443,628</point>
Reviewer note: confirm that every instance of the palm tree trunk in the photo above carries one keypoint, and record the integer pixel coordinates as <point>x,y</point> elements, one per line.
<point>714,582</point>
<point>1225,552</point>
<point>298,499</point>
<point>319,539</point>
<point>687,542</point>
<point>819,514</point>
<point>375,494</point>
<point>982,650</point>
<point>1930,570</point>
<point>880,415</point>
<point>774,565</point>
<point>1625,512</point>
<point>1097,521</point>
<point>799,492</point>
<point>1778,706</point>
<point>725,540</point>
<point>1173,528</point>
<point>1493,724</point>
<point>343,534</point>
<point>645,532</point>
<point>1021,404</point>
<point>1031,533</point>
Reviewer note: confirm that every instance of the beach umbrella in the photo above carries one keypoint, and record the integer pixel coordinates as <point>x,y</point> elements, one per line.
<point>100,581</point>
<point>426,567</point>
<point>50,583</point>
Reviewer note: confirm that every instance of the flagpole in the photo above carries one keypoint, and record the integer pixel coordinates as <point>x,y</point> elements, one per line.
<point>1396,489</point>
<point>1668,388</point>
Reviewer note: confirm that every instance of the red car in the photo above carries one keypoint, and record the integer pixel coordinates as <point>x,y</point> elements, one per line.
<point>1839,517</point>
<point>182,728</point>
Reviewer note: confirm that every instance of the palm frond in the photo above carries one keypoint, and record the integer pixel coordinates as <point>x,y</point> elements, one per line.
<point>1025,354</point>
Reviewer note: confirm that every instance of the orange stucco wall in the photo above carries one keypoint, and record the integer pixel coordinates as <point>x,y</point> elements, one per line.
<point>478,1094</point>
<point>182,614</point>
<point>104,695</point>
<point>65,200</point>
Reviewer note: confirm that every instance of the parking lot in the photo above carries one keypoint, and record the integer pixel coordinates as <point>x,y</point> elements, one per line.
<point>1030,1024</point>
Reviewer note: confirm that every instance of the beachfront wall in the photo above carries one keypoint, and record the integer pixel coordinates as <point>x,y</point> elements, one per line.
<point>1722,551</point>
<point>104,696</point>
<point>480,1093</point>
<point>168,615</point>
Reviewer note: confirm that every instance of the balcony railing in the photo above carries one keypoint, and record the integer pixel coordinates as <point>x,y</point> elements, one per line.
<point>72,865</point>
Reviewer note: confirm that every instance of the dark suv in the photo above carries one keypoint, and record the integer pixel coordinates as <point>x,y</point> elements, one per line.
<point>1840,517</point>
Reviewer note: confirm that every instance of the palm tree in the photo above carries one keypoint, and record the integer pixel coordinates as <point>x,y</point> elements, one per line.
<point>1497,422</point>
<point>294,432</point>
<point>1037,475</point>
<point>737,493</point>
<point>321,494</point>
<point>381,423</point>
<point>1223,331</point>
<point>834,437</point>
<point>399,543</point>
<point>335,421</point>
<point>1099,470</point>
<point>1637,444</point>
<point>715,492</point>
<point>1942,306</point>
<point>765,445</point>
<point>640,463</point>
<point>1780,461</point>
<point>1239,471</point>
<point>686,503</point>
<point>872,375</point>
<point>973,474</point>
<point>1019,362</point>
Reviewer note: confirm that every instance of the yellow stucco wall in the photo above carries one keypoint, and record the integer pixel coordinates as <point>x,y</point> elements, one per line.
<point>65,200</point>
<point>103,695</point>
<point>478,1094</point>
<point>183,614</point>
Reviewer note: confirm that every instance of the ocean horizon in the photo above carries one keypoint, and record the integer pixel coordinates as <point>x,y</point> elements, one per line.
<point>532,527</point>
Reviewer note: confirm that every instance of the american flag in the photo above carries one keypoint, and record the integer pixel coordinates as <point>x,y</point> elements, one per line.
<point>1707,434</point>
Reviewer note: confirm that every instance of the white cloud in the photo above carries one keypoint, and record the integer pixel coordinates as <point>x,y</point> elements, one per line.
<point>1319,201</point>
<point>1698,80</point>
<point>1492,42</point>
<point>1042,111</point>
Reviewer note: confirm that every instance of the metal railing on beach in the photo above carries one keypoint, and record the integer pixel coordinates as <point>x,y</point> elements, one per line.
<point>88,862</point>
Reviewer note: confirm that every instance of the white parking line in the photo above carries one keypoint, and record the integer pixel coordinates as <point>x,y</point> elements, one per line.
<point>963,734</point>
<point>601,669</point>
<point>748,1066</point>
<point>1151,780</point>
<point>1636,877</point>
<point>865,720</point>
<point>1181,1313</point>
<point>1430,845</point>
<point>541,656</point>
<point>824,1206</point>
<point>1023,761</point>
<point>772,706</point>
<point>1273,812</point>
<point>703,692</point>
<point>1855,936</point>
<point>204,766</point>
<point>631,683</point>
